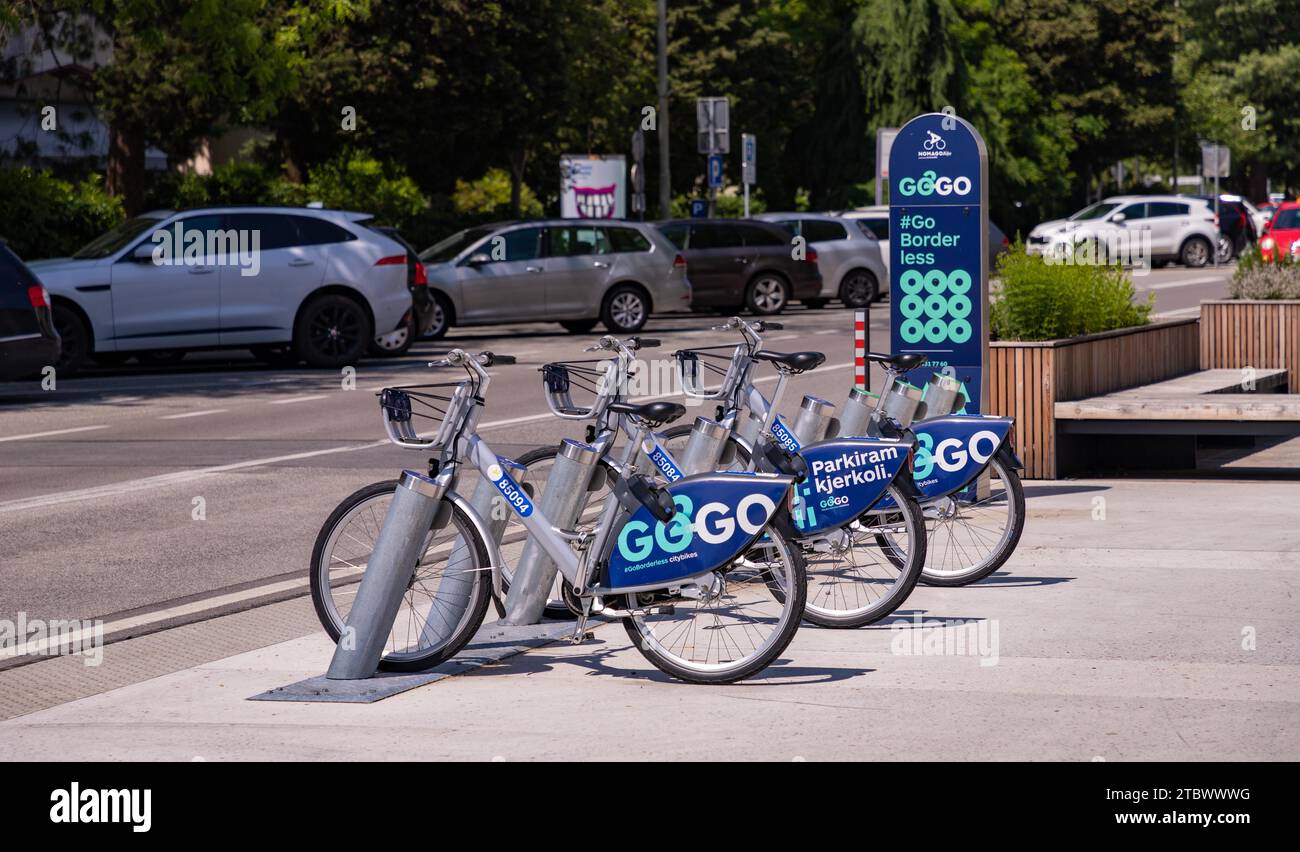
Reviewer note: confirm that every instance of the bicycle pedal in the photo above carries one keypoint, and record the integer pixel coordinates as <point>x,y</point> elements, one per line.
<point>582,636</point>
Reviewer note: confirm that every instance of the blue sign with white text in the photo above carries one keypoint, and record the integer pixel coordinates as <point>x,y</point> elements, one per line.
<point>938,250</point>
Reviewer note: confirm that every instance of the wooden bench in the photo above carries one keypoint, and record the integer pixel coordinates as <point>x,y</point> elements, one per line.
<point>1210,402</point>
<point>1157,425</point>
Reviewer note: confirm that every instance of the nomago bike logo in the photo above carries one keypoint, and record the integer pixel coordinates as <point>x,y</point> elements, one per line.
<point>510,490</point>
<point>933,147</point>
<point>712,524</point>
<point>929,183</point>
<point>935,306</point>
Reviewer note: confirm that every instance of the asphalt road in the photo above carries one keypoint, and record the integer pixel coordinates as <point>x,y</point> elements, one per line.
<point>139,496</point>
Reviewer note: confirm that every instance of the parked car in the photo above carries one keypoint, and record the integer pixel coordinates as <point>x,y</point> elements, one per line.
<point>576,272</point>
<point>288,283</point>
<point>848,257</point>
<point>1281,236</point>
<point>1180,228</point>
<point>28,340</point>
<point>423,316</point>
<point>737,264</point>
<point>1237,228</point>
<point>876,221</point>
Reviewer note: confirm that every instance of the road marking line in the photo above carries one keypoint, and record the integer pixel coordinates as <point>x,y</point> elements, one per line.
<point>1191,282</point>
<point>53,432</point>
<point>193,414</point>
<point>165,479</point>
<point>294,399</point>
<point>830,331</point>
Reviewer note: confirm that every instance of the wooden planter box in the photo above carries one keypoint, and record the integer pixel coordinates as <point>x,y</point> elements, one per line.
<point>1027,378</point>
<point>1238,333</point>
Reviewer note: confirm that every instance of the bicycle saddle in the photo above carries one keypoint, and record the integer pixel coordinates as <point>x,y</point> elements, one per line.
<point>654,413</point>
<point>794,362</point>
<point>900,363</point>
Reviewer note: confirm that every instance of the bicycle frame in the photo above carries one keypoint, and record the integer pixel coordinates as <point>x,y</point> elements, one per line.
<point>462,443</point>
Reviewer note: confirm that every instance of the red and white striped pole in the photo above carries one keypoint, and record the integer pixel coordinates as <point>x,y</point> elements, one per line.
<point>860,377</point>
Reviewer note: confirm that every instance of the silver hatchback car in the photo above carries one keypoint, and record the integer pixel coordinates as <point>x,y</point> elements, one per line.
<point>848,256</point>
<point>576,272</point>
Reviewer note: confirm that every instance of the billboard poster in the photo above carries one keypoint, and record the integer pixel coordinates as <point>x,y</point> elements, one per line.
<point>593,187</point>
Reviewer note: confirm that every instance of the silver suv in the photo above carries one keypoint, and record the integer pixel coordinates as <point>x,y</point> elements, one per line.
<point>848,256</point>
<point>1134,229</point>
<point>576,272</point>
<point>289,283</point>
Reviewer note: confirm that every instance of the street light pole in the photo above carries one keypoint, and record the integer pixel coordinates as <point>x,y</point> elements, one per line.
<point>665,181</point>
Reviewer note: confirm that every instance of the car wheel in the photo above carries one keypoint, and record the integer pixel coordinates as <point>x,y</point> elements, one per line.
<point>859,289</point>
<point>815,304</point>
<point>1224,251</point>
<point>76,340</point>
<point>332,331</point>
<point>441,317</point>
<point>767,294</point>
<point>625,310</point>
<point>275,356</point>
<point>1195,252</point>
<point>395,342</point>
<point>577,326</point>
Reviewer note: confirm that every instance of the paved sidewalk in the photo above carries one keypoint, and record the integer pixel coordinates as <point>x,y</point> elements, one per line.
<point>1140,620</point>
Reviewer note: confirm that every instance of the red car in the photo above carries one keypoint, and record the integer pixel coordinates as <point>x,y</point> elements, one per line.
<point>1282,233</point>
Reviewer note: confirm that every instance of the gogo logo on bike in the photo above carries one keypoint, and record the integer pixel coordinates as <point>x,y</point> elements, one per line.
<point>930,184</point>
<point>953,454</point>
<point>510,490</point>
<point>713,524</point>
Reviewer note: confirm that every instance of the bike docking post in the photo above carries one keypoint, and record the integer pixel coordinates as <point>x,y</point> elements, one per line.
<point>856,418</point>
<point>561,502</point>
<point>816,417</point>
<point>704,447</point>
<point>397,552</point>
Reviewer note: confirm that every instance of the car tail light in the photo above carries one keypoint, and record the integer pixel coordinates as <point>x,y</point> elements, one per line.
<point>679,262</point>
<point>38,296</point>
<point>811,255</point>
<point>391,260</point>
<point>421,276</point>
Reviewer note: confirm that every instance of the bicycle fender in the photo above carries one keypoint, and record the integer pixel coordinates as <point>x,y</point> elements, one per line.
<point>718,516</point>
<point>952,451</point>
<point>846,477</point>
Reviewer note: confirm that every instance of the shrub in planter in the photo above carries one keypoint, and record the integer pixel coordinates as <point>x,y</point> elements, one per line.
<point>1256,278</point>
<point>43,216</point>
<point>1048,301</point>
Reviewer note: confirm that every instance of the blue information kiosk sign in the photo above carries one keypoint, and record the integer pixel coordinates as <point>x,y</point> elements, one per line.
<point>938,251</point>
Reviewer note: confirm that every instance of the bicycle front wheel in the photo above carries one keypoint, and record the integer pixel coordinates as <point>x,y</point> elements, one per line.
<point>446,598</point>
<point>734,629</point>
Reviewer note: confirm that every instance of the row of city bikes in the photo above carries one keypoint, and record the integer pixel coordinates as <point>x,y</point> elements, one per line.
<point>711,541</point>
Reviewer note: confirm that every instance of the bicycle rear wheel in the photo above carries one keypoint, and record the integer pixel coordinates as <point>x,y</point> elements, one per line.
<point>735,629</point>
<point>972,538</point>
<point>447,596</point>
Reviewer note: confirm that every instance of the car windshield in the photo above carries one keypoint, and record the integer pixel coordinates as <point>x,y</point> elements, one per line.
<point>115,239</point>
<point>453,245</point>
<point>1096,211</point>
<point>1287,219</point>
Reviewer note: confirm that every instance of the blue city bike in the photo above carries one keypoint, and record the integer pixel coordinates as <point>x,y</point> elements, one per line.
<point>848,492</point>
<point>701,572</point>
<point>964,473</point>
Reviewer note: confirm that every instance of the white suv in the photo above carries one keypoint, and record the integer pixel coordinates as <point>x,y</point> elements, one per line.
<point>289,283</point>
<point>1136,229</point>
